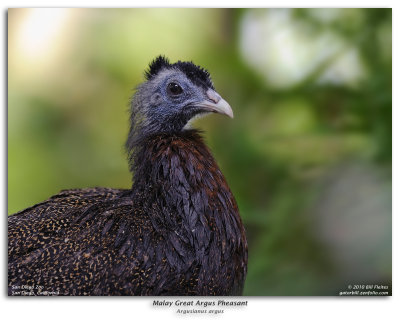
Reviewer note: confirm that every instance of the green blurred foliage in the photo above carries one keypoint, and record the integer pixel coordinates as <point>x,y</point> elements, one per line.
<point>288,145</point>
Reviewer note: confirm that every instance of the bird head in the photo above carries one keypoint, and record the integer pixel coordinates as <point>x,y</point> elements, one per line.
<point>171,96</point>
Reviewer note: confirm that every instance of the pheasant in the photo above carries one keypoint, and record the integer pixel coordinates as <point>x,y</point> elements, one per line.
<point>176,231</point>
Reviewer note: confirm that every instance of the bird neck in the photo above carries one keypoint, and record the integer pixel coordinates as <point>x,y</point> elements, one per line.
<point>170,178</point>
<point>156,159</point>
<point>177,179</point>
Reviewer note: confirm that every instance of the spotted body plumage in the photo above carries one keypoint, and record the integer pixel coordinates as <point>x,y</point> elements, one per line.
<point>177,231</point>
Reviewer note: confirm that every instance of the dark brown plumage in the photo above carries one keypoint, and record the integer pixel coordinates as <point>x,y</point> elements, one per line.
<point>176,232</point>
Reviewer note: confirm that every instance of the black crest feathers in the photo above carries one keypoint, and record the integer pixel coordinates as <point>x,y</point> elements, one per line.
<point>196,74</point>
<point>156,66</point>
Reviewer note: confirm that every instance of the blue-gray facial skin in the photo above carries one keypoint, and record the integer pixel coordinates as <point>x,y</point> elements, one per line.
<point>170,99</point>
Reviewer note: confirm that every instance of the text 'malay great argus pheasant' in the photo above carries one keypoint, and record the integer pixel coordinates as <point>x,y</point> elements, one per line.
<point>176,232</point>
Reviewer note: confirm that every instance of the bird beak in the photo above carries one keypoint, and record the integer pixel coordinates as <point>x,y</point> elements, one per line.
<point>215,103</point>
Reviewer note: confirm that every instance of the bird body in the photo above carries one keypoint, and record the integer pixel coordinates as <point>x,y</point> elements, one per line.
<point>177,231</point>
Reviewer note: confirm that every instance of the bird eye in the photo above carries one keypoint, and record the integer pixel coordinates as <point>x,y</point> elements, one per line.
<point>174,89</point>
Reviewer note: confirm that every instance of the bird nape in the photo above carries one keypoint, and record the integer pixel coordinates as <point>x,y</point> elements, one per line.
<point>177,231</point>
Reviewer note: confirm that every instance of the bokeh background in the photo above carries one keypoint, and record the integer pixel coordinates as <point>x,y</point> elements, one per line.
<point>308,155</point>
